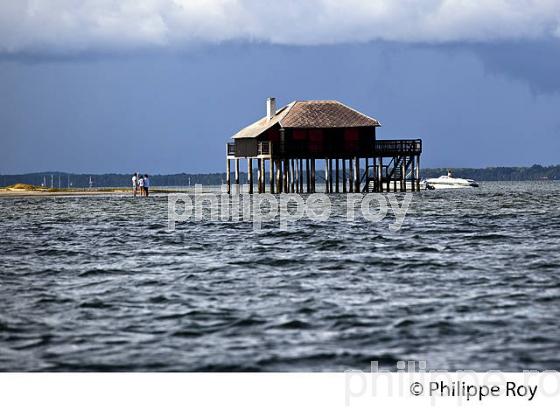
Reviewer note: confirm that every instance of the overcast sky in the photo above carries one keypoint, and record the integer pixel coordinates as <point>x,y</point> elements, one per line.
<point>159,86</point>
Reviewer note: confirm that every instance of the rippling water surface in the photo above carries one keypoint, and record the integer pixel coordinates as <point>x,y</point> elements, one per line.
<point>471,281</point>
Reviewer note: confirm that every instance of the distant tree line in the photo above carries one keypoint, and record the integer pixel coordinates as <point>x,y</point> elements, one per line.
<point>534,173</point>
<point>65,180</point>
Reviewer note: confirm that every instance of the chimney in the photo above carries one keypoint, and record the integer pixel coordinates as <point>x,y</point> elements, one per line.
<point>270,107</point>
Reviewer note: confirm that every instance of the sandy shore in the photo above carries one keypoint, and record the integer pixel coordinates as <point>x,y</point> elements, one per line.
<point>8,193</point>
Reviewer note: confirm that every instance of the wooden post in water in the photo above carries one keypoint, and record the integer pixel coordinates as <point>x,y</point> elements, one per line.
<point>250,174</point>
<point>395,176</point>
<point>367,174</point>
<point>278,176</point>
<point>374,174</point>
<point>412,174</point>
<point>263,175</point>
<point>326,175</point>
<point>350,176</point>
<point>292,176</point>
<point>330,176</point>
<point>307,175</point>
<point>403,176</point>
<point>343,175</point>
<point>417,172</point>
<point>259,174</point>
<point>228,182</point>
<point>380,173</point>
<point>313,187</point>
<point>300,173</point>
<point>357,174</point>
<point>285,175</point>
<point>296,182</point>
<point>271,175</point>
<point>236,175</point>
<point>337,190</point>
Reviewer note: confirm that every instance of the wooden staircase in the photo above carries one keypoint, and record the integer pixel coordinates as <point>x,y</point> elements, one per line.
<point>395,172</point>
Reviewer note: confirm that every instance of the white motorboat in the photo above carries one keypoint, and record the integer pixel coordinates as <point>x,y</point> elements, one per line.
<point>449,182</point>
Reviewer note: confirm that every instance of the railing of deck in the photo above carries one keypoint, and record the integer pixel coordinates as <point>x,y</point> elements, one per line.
<point>231,148</point>
<point>398,146</point>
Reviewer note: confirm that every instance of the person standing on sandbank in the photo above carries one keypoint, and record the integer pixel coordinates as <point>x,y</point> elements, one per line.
<point>141,184</point>
<point>146,185</point>
<point>135,184</point>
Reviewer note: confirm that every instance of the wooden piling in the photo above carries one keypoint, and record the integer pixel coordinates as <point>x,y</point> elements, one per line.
<point>357,174</point>
<point>292,176</point>
<point>313,176</point>
<point>278,176</point>
<point>330,176</point>
<point>307,176</point>
<point>380,175</point>
<point>417,172</point>
<point>403,176</point>
<point>237,175</point>
<point>337,190</point>
<point>343,175</point>
<point>250,174</point>
<point>259,174</point>
<point>228,182</point>
<point>326,175</point>
<point>395,176</point>
<point>271,175</point>
<point>350,176</point>
<point>300,175</point>
<point>285,175</point>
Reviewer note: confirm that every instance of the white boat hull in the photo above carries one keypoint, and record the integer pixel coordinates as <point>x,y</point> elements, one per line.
<point>447,182</point>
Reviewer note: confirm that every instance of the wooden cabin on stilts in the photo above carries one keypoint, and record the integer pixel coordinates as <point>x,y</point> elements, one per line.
<point>286,144</point>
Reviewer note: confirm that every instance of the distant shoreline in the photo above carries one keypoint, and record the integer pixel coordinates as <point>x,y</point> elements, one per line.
<point>61,180</point>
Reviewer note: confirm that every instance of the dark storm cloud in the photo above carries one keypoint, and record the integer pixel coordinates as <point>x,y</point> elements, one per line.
<point>537,62</point>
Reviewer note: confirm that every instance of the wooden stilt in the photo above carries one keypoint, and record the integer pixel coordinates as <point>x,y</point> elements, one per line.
<point>395,177</point>
<point>307,175</point>
<point>417,172</point>
<point>250,174</point>
<point>350,175</point>
<point>403,176</point>
<point>259,175</point>
<point>228,182</point>
<point>357,174</point>
<point>326,175</point>
<point>337,189</point>
<point>237,176</point>
<point>380,178</point>
<point>292,176</point>
<point>313,187</point>
<point>263,175</point>
<point>343,175</point>
<point>374,173</point>
<point>300,175</point>
<point>296,182</point>
<point>330,176</point>
<point>285,175</point>
<point>278,176</point>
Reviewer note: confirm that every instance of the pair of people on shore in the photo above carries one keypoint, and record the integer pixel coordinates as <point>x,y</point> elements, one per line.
<point>140,183</point>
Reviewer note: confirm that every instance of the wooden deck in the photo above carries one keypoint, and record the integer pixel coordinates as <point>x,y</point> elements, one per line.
<point>383,148</point>
<point>389,165</point>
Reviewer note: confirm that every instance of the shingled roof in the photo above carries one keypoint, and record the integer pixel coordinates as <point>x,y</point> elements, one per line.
<point>310,114</point>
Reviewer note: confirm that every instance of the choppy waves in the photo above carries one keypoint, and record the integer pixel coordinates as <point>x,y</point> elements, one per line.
<point>472,281</point>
